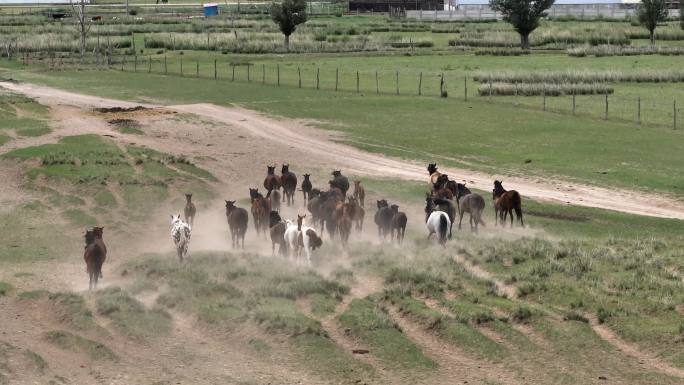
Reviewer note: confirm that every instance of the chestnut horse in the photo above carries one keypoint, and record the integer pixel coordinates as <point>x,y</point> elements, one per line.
<point>272,181</point>
<point>95,255</point>
<point>261,207</point>
<point>504,204</point>
<point>434,174</point>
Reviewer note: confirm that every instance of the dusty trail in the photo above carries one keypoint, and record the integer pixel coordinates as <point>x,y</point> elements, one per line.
<point>317,145</point>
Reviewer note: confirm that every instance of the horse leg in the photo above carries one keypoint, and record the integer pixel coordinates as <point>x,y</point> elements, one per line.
<point>460,218</point>
<point>510,213</point>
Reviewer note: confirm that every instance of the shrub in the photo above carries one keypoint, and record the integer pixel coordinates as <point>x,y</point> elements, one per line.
<point>521,314</point>
<point>574,316</point>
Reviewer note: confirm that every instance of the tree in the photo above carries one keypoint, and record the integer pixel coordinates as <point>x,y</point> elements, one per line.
<point>288,15</point>
<point>524,15</point>
<point>681,13</point>
<point>83,26</point>
<point>650,13</point>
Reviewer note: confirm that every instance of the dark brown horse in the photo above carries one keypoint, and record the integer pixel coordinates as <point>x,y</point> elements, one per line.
<point>272,181</point>
<point>277,229</point>
<point>440,189</point>
<point>383,218</point>
<point>190,210</point>
<point>237,222</point>
<point>344,223</point>
<point>357,213</point>
<point>307,187</point>
<point>261,207</point>
<point>341,182</point>
<point>288,180</point>
<point>398,223</point>
<point>95,255</point>
<point>504,204</point>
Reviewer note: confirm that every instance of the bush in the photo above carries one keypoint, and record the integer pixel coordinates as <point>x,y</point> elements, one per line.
<point>521,314</point>
<point>574,316</point>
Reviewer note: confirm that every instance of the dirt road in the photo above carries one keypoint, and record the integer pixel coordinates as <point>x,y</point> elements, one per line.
<point>319,146</point>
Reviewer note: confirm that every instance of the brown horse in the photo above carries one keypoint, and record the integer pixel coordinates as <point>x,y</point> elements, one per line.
<point>277,230</point>
<point>359,193</point>
<point>434,174</point>
<point>190,210</point>
<point>344,223</point>
<point>261,207</point>
<point>237,222</point>
<point>95,255</point>
<point>272,181</point>
<point>398,223</point>
<point>288,180</point>
<point>307,187</point>
<point>357,213</point>
<point>440,189</point>
<point>504,204</point>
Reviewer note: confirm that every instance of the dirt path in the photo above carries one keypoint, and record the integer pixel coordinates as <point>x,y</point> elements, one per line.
<point>318,145</point>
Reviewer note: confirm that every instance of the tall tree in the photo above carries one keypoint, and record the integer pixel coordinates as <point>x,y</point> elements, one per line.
<point>650,13</point>
<point>288,15</point>
<point>524,15</point>
<point>82,26</point>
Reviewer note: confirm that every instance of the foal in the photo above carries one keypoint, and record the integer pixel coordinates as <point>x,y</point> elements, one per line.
<point>190,210</point>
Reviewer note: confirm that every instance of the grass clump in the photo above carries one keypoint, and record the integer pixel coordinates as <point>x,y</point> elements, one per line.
<point>72,310</point>
<point>36,359</point>
<point>130,316</point>
<point>75,343</point>
<point>427,282</point>
<point>5,288</point>
<point>283,315</point>
<point>369,322</point>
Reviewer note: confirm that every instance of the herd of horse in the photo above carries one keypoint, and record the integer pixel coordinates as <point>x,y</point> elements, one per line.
<point>331,210</point>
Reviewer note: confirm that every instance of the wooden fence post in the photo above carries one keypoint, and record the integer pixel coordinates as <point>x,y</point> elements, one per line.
<point>606,116</point>
<point>181,65</point>
<point>377,83</point>
<point>149,64</point>
<point>674,114</point>
<point>166,68</point>
<point>357,81</point>
<point>215,71</point>
<point>397,77</point>
<point>278,73</point>
<point>573,103</point>
<point>263,74</point>
<point>465,88</point>
<point>248,73</point>
<point>232,79</point>
<point>544,97</point>
<point>135,64</point>
<point>318,73</point>
<point>337,77</point>
<point>123,62</point>
<point>197,71</point>
<point>639,109</point>
<point>299,72</point>
<point>420,83</point>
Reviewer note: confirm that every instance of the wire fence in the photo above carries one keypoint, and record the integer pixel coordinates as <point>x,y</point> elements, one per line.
<point>643,111</point>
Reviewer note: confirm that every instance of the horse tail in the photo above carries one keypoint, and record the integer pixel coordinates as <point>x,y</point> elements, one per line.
<point>517,205</point>
<point>443,227</point>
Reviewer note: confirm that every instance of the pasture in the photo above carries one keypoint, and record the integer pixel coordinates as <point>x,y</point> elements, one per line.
<point>589,291</point>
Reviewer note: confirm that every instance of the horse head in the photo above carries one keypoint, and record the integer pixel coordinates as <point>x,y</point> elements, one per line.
<point>306,176</point>
<point>395,208</point>
<point>89,237</point>
<point>432,168</point>
<point>357,183</point>
<point>337,173</point>
<point>253,193</point>
<point>175,218</point>
<point>271,170</point>
<point>97,231</point>
<point>314,193</point>
<point>300,220</point>
<point>498,189</point>
<point>382,203</point>
<point>285,169</point>
<point>188,197</point>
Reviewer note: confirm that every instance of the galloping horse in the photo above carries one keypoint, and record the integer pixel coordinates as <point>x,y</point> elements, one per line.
<point>473,204</point>
<point>359,193</point>
<point>504,204</point>
<point>440,189</point>
<point>95,255</point>
<point>341,182</point>
<point>288,180</point>
<point>383,218</point>
<point>237,222</point>
<point>190,210</point>
<point>272,181</point>
<point>277,229</point>
<point>437,221</point>
<point>307,187</point>
<point>180,233</point>
<point>398,223</point>
<point>434,174</point>
<point>261,207</point>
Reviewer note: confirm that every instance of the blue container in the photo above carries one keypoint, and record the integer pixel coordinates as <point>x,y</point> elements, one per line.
<point>211,9</point>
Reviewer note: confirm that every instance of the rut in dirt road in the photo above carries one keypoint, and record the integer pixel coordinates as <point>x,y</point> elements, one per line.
<point>312,142</point>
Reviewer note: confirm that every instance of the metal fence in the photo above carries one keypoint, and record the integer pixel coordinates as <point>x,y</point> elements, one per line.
<point>643,111</point>
<point>483,12</point>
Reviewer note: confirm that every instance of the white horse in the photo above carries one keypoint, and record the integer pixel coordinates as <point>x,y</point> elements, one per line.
<point>438,223</point>
<point>300,237</point>
<point>180,233</point>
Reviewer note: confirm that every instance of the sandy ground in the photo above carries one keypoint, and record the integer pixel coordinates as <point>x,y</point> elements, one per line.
<point>235,145</point>
<point>300,144</point>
